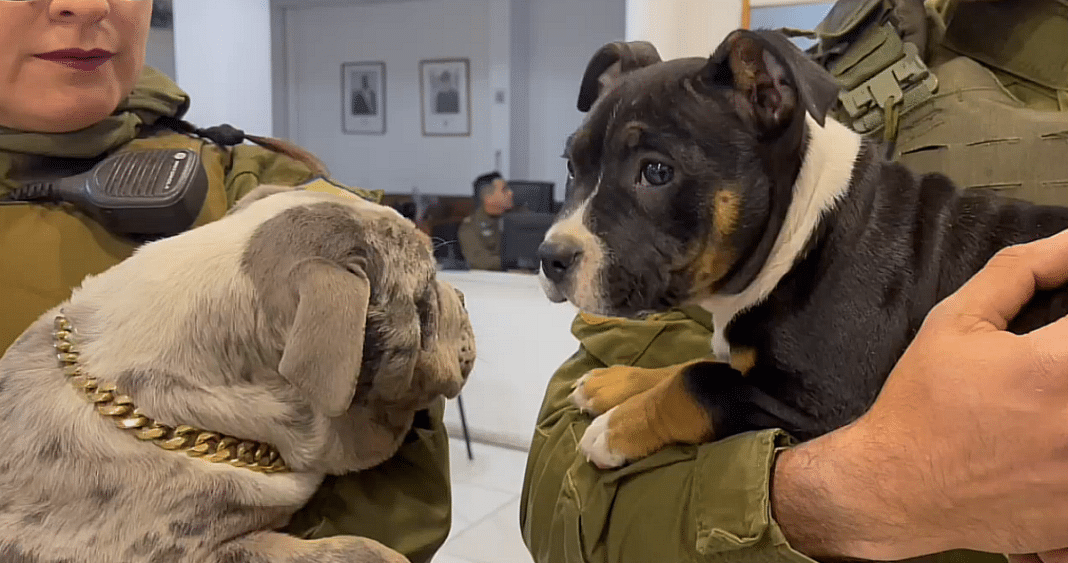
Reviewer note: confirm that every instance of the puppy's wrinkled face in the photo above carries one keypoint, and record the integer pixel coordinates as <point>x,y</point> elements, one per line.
<point>351,288</point>
<point>419,344</point>
<point>448,349</point>
<point>675,177</point>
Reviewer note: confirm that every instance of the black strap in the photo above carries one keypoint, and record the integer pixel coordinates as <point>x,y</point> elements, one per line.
<point>225,135</point>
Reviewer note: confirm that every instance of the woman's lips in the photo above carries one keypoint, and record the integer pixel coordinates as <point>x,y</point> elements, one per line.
<point>78,59</point>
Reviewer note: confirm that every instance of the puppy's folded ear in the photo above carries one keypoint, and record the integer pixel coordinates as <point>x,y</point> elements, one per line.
<point>774,82</point>
<point>608,66</point>
<point>324,348</point>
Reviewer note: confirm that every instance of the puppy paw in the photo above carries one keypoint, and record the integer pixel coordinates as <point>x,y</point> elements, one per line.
<point>595,444</point>
<point>578,395</point>
<point>599,390</point>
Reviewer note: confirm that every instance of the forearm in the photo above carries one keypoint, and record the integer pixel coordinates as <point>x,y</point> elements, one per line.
<point>841,496</point>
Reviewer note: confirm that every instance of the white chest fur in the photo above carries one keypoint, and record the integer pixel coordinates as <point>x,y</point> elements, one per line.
<point>823,180</point>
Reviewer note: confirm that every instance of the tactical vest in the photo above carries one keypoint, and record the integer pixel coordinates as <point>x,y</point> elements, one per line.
<point>977,91</point>
<point>48,249</point>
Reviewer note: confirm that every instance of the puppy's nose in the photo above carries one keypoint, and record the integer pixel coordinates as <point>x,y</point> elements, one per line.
<point>557,258</point>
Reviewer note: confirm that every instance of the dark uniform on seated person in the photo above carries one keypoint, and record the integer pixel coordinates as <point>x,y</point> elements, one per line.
<point>480,233</point>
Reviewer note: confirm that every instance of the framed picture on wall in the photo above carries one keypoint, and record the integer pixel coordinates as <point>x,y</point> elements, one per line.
<point>363,98</point>
<point>445,90</point>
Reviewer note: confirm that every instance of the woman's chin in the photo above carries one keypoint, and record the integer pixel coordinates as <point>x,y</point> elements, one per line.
<point>62,112</point>
<point>76,118</point>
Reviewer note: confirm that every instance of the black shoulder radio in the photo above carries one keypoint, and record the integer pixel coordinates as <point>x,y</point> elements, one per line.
<point>150,193</point>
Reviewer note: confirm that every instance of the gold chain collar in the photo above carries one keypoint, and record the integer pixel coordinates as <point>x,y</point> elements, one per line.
<point>212,446</point>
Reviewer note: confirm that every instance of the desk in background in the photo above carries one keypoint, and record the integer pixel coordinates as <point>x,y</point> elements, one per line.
<point>522,338</point>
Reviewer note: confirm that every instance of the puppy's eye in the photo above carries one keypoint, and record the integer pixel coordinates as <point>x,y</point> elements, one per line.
<point>570,171</point>
<point>655,174</point>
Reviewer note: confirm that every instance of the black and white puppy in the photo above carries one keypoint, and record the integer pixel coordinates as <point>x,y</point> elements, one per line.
<point>723,182</point>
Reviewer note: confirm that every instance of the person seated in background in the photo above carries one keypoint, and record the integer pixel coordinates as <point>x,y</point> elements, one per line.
<point>480,233</point>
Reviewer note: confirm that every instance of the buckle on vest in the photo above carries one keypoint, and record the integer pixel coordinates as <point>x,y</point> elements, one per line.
<point>907,81</point>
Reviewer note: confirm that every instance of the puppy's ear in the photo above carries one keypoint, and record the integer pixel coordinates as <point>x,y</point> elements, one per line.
<point>609,64</point>
<point>773,81</point>
<point>257,194</point>
<point>324,348</point>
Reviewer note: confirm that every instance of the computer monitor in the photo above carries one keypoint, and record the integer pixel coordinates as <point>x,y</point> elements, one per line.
<point>521,235</point>
<point>536,197</point>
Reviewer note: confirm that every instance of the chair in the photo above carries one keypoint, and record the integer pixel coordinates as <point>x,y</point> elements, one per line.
<point>463,424</point>
<point>447,251</point>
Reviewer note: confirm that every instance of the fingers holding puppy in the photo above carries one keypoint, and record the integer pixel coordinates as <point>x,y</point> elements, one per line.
<point>1058,556</point>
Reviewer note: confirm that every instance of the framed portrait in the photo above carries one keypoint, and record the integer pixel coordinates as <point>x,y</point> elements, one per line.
<point>363,98</point>
<point>445,90</point>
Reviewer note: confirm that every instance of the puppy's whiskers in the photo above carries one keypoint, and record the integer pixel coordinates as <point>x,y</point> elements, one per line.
<point>439,242</point>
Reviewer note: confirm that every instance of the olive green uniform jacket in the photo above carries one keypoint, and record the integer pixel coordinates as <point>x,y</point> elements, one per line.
<point>46,250</point>
<point>480,240</point>
<point>711,502</point>
<point>685,503</point>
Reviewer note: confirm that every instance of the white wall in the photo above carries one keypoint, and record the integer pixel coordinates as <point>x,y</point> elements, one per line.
<point>531,51</point>
<point>499,82</point>
<point>400,34</point>
<point>682,28</point>
<point>519,85</point>
<point>223,60</point>
<point>160,53</point>
<point>801,16</point>
<point>563,35</point>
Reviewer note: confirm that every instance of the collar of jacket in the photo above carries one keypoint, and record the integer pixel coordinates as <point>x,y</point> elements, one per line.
<point>154,96</point>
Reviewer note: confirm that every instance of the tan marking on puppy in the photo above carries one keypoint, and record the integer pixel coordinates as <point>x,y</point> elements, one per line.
<point>743,358</point>
<point>822,181</point>
<point>712,264</point>
<point>666,414</point>
<point>601,389</point>
<point>727,204</point>
<point>747,59</point>
<point>715,257</point>
<point>632,133</point>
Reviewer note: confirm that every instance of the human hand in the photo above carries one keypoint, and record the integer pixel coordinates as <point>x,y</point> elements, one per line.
<point>1058,556</point>
<point>967,444</point>
<point>979,416</point>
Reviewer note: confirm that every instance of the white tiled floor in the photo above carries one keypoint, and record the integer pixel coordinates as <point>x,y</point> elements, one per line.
<point>485,506</point>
